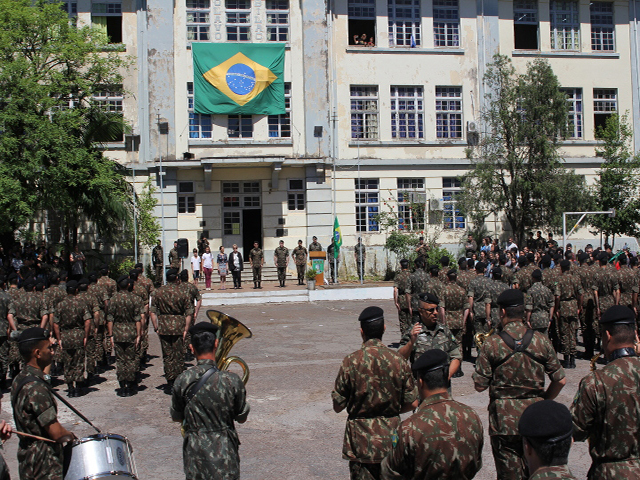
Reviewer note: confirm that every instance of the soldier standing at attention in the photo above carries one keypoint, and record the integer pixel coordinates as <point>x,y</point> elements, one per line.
<point>171,312</point>
<point>586,275</point>
<point>456,311</point>
<point>35,410</point>
<point>400,284</point>
<point>360,254</point>
<point>375,385</point>
<point>124,321</point>
<point>281,261</point>
<point>514,373</point>
<point>256,259</point>
<point>608,289</point>
<point>539,304</point>
<point>334,262</point>
<point>299,255</point>
<point>568,293</point>
<point>143,346</point>
<point>495,288</point>
<point>194,295</point>
<point>477,295</point>
<point>174,258</point>
<point>431,443</point>
<point>157,256</point>
<point>208,401</point>
<point>6,320</point>
<point>315,246</point>
<point>418,282</point>
<point>422,249</point>
<point>606,409</point>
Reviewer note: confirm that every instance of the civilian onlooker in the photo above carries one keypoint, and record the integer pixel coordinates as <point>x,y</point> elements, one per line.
<point>207,267</point>
<point>222,261</point>
<point>195,266</point>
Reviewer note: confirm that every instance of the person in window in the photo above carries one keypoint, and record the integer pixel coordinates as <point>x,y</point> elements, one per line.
<point>207,267</point>
<point>222,260</point>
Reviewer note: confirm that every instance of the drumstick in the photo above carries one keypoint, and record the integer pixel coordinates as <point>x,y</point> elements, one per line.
<point>36,437</point>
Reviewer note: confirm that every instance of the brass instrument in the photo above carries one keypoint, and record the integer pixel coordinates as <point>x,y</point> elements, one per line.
<point>230,331</point>
<point>479,338</point>
<point>594,359</point>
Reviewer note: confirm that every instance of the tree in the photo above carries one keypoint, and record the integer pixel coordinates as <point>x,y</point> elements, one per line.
<point>519,171</point>
<point>148,227</point>
<point>617,185</point>
<point>50,147</point>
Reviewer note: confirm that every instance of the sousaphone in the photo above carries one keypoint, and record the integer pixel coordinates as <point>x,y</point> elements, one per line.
<point>230,331</point>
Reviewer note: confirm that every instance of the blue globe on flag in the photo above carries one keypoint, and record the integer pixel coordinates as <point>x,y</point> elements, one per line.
<point>241,79</point>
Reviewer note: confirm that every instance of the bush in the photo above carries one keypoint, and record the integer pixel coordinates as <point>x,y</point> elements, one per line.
<point>121,267</point>
<point>436,253</point>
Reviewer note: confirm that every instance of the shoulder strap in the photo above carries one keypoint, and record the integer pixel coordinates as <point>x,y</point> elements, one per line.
<point>191,392</point>
<point>517,345</point>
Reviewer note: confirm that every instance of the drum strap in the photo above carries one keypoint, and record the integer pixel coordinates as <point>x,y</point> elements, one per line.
<point>191,392</point>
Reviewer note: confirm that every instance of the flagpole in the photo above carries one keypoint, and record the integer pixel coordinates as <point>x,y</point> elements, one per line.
<point>333,204</point>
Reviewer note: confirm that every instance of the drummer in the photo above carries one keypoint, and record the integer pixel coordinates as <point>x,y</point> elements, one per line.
<point>35,410</point>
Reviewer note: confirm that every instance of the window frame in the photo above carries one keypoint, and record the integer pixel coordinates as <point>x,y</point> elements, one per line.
<point>559,27</point>
<point>280,29</point>
<point>244,127</point>
<point>186,198</point>
<point>201,28</point>
<point>242,31</point>
<point>295,195</point>
<point>367,204</point>
<point>365,122</point>
<point>453,221</point>
<point>524,17</point>
<point>113,9</point>
<point>605,104</point>
<point>448,121</point>
<point>575,112</point>
<point>111,97</point>
<point>404,30</point>
<point>603,35</point>
<point>407,187</point>
<point>200,125</point>
<point>280,125</point>
<point>401,118</point>
<point>446,27</point>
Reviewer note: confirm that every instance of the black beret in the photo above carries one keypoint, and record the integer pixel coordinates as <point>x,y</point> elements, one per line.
<point>434,269</point>
<point>546,260</point>
<point>138,265</point>
<point>462,260</point>
<point>28,284</point>
<point>124,282</point>
<point>72,284</point>
<point>121,278</point>
<point>565,264</point>
<point>371,314</point>
<point>429,298</point>
<point>537,274</point>
<point>496,271</point>
<point>184,274</point>
<point>480,266</point>
<point>93,277</point>
<point>618,314</point>
<point>511,297</point>
<point>83,281</point>
<point>172,271</point>
<point>583,257</point>
<point>33,333</point>
<point>104,266</point>
<point>203,327</point>
<point>546,420</point>
<point>431,360</point>
<point>452,272</point>
<point>444,260</point>
<point>522,260</point>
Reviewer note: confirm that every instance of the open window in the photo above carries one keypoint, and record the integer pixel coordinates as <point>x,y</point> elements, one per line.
<point>362,22</point>
<point>525,24</point>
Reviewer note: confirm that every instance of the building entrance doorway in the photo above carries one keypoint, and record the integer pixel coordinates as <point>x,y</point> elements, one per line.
<point>241,216</point>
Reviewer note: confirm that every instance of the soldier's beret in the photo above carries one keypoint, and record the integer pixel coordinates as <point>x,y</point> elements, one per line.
<point>444,260</point>
<point>133,274</point>
<point>429,297</point>
<point>431,360</point>
<point>123,282</point>
<point>480,266</point>
<point>138,265</point>
<point>28,284</point>
<point>546,260</point>
<point>565,264</point>
<point>203,327</point>
<point>93,277</point>
<point>618,314</point>
<point>497,271</point>
<point>315,238</point>
<point>371,314</point>
<point>522,260</point>
<point>547,421</point>
<point>83,281</point>
<point>104,266</point>
<point>121,278</point>
<point>434,269</point>
<point>537,274</point>
<point>39,286</point>
<point>462,260</point>
<point>583,257</point>
<point>404,263</point>
<point>604,256</point>
<point>511,297</point>
<point>172,271</point>
<point>452,272</point>
<point>184,274</point>
<point>33,333</point>
<point>72,284</point>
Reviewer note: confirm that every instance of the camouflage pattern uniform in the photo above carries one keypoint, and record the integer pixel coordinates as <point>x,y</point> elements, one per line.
<point>455,303</point>
<point>556,472</point>
<point>281,254</point>
<point>423,251</point>
<point>586,275</point>
<point>628,280</point>
<point>606,410</point>
<point>494,289</point>
<point>539,300</point>
<point>361,258</point>
<point>143,288</point>
<point>569,292</point>
<point>464,278</point>
<point>157,256</point>
<point>210,447</point>
<point>315,247</point>
<point>402,282</point>
<point>508,276</point>
<point>172,305</point>
<point>333,269</point>
<point>174,259</point>
<point>96,307</point>
<point>523,277</point>
<point>125,310</point>
<point>299,255</point>
<point>439,337</point>
<point>257,258</point>
<point>431,443</point>
<point>29,308</point>
<point>513,386</point>
<point>34,408</point>
<point>373,384</point>
<point>194,295</point>
<point>479,291</point>
<point>606,279</point>
<point>418,283</point>
<point>550,277</point>
<point>6,307</point>
<point>103,347</point>
<point>71,316</point>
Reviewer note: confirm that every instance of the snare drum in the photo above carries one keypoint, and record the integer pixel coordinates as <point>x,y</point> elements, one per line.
<point>105,455</point>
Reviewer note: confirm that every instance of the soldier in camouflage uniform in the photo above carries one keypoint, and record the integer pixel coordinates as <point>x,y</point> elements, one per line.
<point>256,258</point>
<point>194,295</point>
<point>422,249</point>
<point>29,310</point>
<point>35,411</point>
<point>6,320</point>
<point>608,293</point>
<point>418,282</point>
<point>477,295</point>
<point>606,408</point>
<point>281,261</point>
<point>539,304</point>
<point>456,309</point>
<point>508,275</point>
<point>174,258</point>
<point>143,346</point>
<point>494,288</point>
<point>400,284</point>
<point>568,293</point>
<point>586,274</point>
<point>431,443</point>
<point>71,325</point>
<point>96,307</point>
<point>53,296</point>
<point>464,274</point>
<point>515,379</point>
<point>299,255</point>
<point>315,246</point>
<point>126,313</point>
<point>375,385</point>
<point>360,255</point>
<point>522,278</point>
<point>103,348</point>
<point>549,275</point>
<point>157,257</point>
<point>628,279</point>
<point>208,415</point>
<point>171,312</point>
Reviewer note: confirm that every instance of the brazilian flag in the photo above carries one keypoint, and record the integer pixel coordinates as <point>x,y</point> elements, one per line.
<point>337,237</point>
<point>238,79</point>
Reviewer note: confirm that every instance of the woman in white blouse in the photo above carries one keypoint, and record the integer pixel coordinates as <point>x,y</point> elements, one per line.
<point>207,267</point>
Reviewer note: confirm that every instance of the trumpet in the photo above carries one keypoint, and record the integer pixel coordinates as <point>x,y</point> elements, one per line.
<point>230,331</point>
<point>594,359</point>
<point>479,338</point>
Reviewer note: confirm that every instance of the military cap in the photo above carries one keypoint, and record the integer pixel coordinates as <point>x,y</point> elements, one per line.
<point>104,266</point>
<point>172,271</point>
<point>480,266</point>
<point>203,327</point>
<point>33,333</point>
<point>531,257</point>
<point>184,275</point>
<point>138,265</point>
<point>434,270</point>
<point>546,260</point>
<point>83,281</point>
<point>123,282</point>
<point>93,277</point>
<point>28,284</point>
<point>431,360</point>
<point>511,297</point>
<point>371,314</point>
<point>444,261</point>
<point>122,277</point>
<point>583,257</point>
<point>496,271</point>
<point>618,314</point>
<point>547,421</point>
<point>429,297</point>
<point>39,286</point>
<point>565,264</point>
<point>522,260</point>
<point>133,274</point>
<point>315,238</point>
<point>537,274</point>
<point>451,272</point>
<point>71,286</point>
<point>462,260</point>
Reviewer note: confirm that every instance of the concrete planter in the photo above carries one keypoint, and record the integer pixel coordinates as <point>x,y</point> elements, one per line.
<point>311,284</point>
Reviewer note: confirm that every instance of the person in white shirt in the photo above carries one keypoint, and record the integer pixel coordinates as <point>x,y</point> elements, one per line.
<point>207,267</point>
<point>195,266</point>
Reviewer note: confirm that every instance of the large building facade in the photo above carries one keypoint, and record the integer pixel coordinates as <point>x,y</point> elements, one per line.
<point>383,103</point>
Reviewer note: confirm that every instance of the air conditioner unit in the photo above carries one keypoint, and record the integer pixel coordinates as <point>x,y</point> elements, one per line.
<point>473,127</point>
<point>436,204</point>
<point>420,198</point>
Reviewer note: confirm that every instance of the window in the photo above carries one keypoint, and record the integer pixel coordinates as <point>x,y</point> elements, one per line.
<point>198,23</point>
<point>449,112</point>
<point>367,204</point>
<point>602,33</point>
<point>364,112</point>
<point>574,121</point>
<point>411,203</point>
<point>240,126</point>
<point>525,24</point>
<point>277,20</point>
<point>280,125</point>
<point>605,104</point>
<point>70,8</point>
<point>452,217</point>
<point>565,27</point>
<point>296,194</point>
<point>238,20</point>
<point>107,17</point>
<point>241,195</point>
<point>446,23</point>
<point>231,223</point>
<point>407,114</point>
<point>186,198</point>
<point>110,99</point>
<point>404,23</point>
<point>362,21</point>
<point>200,126</point>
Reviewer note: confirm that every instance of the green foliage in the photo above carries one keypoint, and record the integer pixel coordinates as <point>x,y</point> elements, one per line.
<point>148,227</point>
<point>519,171</point>
<point>436,253</point>
<point>121,267</point>
<point>310,274</point>
<point>403,244</point>
<point>617,186</point>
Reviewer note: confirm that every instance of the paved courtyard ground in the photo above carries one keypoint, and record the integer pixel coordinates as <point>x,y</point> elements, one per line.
<point>292,431</point>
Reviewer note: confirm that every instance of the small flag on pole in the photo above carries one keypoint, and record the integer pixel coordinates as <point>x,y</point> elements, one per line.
<point>337,237</point>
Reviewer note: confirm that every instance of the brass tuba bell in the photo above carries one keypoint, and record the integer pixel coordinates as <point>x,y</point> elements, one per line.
<point>481,337</point>
<point>230,331</point>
